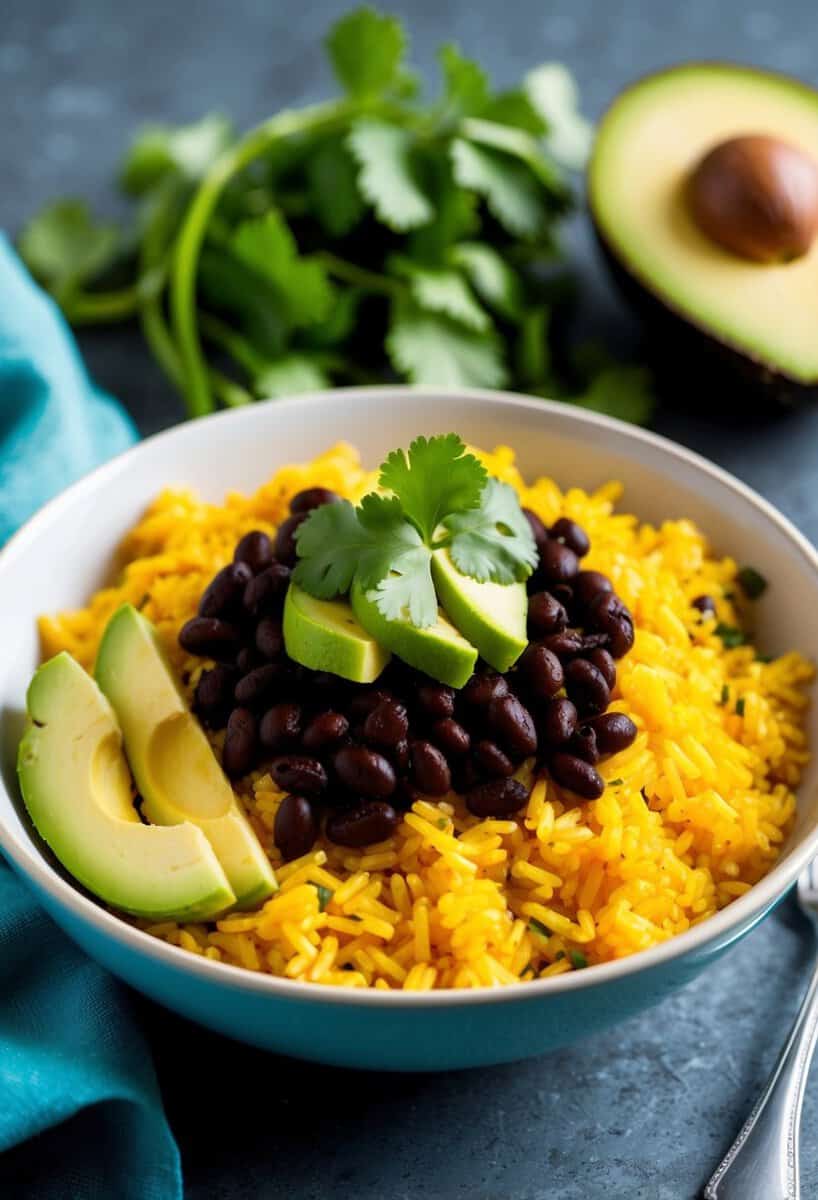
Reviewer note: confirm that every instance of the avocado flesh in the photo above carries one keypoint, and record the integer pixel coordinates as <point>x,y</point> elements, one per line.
<point>646,145</point>
<point>325,635</point>
<point>492,616</point>
<point>172,761</point>
<point>77,789</point>
<point>438,650</point>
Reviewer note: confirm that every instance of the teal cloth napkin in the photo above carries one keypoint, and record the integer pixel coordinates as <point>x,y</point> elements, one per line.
<point>80,1112</point>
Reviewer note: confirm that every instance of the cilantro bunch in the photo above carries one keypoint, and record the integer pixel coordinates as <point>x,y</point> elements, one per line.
<point>371,236</point>
<point>438,496</point>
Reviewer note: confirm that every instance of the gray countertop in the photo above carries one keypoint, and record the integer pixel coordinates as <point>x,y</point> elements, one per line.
<point>643,1112</point>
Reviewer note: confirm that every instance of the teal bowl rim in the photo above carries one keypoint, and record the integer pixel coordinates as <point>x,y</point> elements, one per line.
<point>723,926</point>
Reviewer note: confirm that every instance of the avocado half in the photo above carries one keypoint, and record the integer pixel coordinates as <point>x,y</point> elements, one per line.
<point>748,322</point>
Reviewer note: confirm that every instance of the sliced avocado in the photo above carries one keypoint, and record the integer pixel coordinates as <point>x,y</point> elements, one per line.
<point>325,635</point>
<point>492,616</point>
<point>756,319</point>
<point>172,761</point>
<point>439,650</point>
<point>77,790</point>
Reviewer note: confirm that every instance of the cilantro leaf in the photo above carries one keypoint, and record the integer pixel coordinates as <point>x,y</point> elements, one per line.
<point>455,213</point>
<point>533,352</point>
<point>366,51</point>
<point>397,563</point>
<point>490,276</point>
<point>466,87</point>
<point>434,478</point>
<point>290,374</point>
<point>621,391</point>
<point>578,959</point>
<point>159,149</point>
<point>334,195</point>
<point>386,177</point>
<point>554,95</point>
<point>430,349</point>
<point>495,540</point>
<point>63,247</point>
<point>730,635</point>
<point>329,543</point>
<point>268,247</point>
<point>516,143</point>
<point>441,290</point>
<point>751,582</point>
<point>509,189</point>
<point>514,108</point>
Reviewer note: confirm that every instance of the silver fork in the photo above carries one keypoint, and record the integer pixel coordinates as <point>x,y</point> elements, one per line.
<point>762,1163</point>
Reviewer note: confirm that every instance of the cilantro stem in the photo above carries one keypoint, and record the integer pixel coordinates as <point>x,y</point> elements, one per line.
<point>92,308</point>
<point>151,313</point>
<point>239,349</point>
<point>359,277</point>
<point>195,380</point>
<point>228,391</point>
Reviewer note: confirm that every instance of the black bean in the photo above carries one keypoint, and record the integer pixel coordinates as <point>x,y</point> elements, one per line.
<point>705,604</point>
<point>280,727</point>
<point>404,796</point>
<point>604,663</point>
<point>572,535</point>
<point>557,722</point>
<point>582,744</point>
<point>589,584</point>
<point>558,563</point>
<point>285,542</point>
<point>541,670</point>
<point>208,637</point>
<point>492,761</point>
<point>262,684</point>
<point>295,828</point>
<point>387,724</point>
<point>399,755</point>
<point>213,697</point>
<point>247,659</point>
<point>265,594</point>
<point>537,528</point>
<point>451,737</point>
<point>577,776</point>
<point>566,644</point>
<point>222,596</point>
<point>563,593</point>
<point>436,700</point>
<point>269,638</point>
<point>363,702</point>
<point>465,775</point>
<point>430,770</point>
<point>610,616</point>
<point>310,498</point>
<point>299,773</point>
<point>255,549</point>
<point>586,686</point>
<point>498,798</point>
<point>545,615</point>
<point>513,724</point>
<point>365,825</point>
<point>614,732</point>
<point>483,688</point>
<point>240,743</point>
<point>327,729</point>
<point>594,641</point>
<point>364,771</point>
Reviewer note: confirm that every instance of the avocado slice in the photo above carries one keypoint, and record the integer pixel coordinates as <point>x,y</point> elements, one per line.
<point>325,635</point>
<point>492,616</point>
<point>438,650</point>
<point>757,320</point>
<point>172,761</point>
<point>77,790</point>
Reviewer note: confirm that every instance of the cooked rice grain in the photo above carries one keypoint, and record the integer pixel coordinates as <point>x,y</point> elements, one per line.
<point>694,813</point>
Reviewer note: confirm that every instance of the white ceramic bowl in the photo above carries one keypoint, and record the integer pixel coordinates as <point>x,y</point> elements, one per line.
<point>66,552</point>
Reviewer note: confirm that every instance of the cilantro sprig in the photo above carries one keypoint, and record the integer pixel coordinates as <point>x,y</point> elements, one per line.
<point>439,497</point>
<point>253,261</point>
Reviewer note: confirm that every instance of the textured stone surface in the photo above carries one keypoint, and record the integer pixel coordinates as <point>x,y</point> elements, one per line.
<point>644,1112</point>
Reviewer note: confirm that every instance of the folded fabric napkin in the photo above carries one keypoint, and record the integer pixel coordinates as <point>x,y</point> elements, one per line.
<point>80,1111</point>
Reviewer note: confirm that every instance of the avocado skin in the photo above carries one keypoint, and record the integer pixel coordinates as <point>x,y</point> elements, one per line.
<point>692,357</point>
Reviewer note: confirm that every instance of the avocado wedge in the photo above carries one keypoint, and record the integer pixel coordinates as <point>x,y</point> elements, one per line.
<point>172,761</point>
<point>77,789</point>
<point>492,616</point>
<point>741,319</point>
<point>325,635</point>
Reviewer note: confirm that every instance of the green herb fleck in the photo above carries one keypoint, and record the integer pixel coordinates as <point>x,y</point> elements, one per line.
<point>764,658</point>
<point>725,694</point>
<point>752,582</point>
<point>537,927</point>
<point>579,960</point>
<point>442,823</point>
<point>615,782</point>
<point>559,956</point>
<point>325,894</point>
<point>740,707</point>
<point>730,635</point>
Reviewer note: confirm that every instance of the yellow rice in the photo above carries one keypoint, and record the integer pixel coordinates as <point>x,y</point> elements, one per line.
<point>694,813</point>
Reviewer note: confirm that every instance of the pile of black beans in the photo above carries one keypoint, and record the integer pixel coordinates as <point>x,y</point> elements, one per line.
<point>361,754</point>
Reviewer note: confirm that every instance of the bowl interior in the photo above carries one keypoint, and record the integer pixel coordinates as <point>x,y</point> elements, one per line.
<point>70,548</point>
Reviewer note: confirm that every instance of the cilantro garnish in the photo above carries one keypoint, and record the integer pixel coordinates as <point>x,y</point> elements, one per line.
<point>730,635</point>
<point>325,894</point>
<point>615,782</point>
<point>538,927</point>
<point>740,707</point>
<point>751,582</point>
<point>441,497</point>
<point>725,694</point>
<point>578,960</point>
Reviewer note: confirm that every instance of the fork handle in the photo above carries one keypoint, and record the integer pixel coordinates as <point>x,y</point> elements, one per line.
<point>762,1163</point>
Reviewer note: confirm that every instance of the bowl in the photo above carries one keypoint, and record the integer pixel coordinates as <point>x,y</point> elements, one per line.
<point>65,552</point>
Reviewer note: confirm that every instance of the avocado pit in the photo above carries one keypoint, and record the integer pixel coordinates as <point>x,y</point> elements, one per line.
<point>757,197</point>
